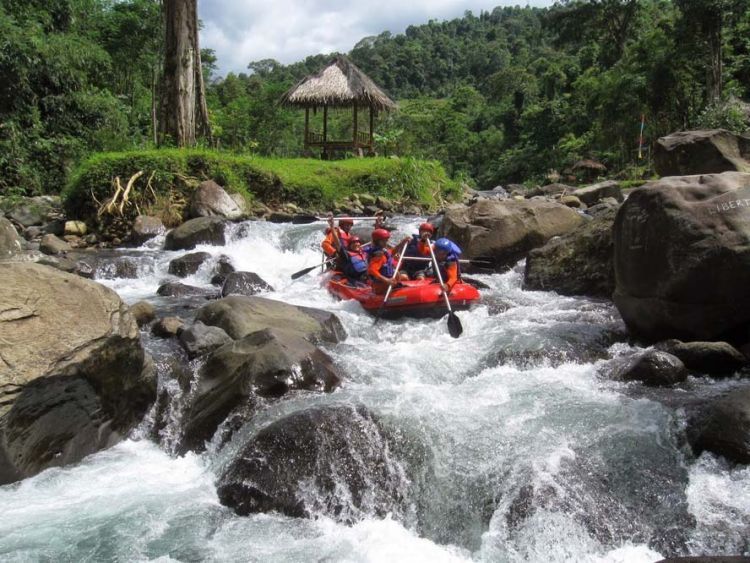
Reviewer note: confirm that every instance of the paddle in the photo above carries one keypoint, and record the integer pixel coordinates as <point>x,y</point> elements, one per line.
<point>306,219</point>
<point>390,287</point>
<point>454,323</point>
<point>425,259</point>
<point>301,273</point>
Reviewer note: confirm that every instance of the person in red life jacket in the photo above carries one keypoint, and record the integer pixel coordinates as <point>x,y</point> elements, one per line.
<point>447,254</point>
<point>337,240</point>
<point>380,264</point>
<point>356,269</point>
<point>418,247</point>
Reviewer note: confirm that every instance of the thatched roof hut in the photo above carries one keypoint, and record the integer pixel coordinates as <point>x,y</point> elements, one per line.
<point>340,84</point>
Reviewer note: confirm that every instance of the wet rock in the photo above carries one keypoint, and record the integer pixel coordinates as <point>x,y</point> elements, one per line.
<point>210,200</point>
<point>332,460</point>
<point>125,268</point>
<point>280,217</point>
<point>269,363</point>
<point>577,263</point>
<point>503,232</point>
<point>145,228</point>
<point>167,327</point>
<point>241,315</point>
<point>10,242</point>
<point>199,339</point>
<point>682,262</point>
<point>707,559</point>
<point>591,195</point>
<point>223,268</point>
<point>244,283</point>
<point>52,245</point>
<point>188,264</point>
<point>143,312</point>
<point>203,230</point>
<point>84,269</point>
<point>77,228</point>
<point>31,233</point>
<point>701,152</point>
<point>723,427</point>
<point>73,375</point>
<point>176,289</point>
<point>713,358</point>
<point>653,368</point>
<point>572,201</point>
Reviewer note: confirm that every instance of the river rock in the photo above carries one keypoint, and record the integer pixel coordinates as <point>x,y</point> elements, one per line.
<point>653,368</point>
<point>199,339</point>
<point>222,269</point>
<point>268,363</point>
<point>572,201</point>
<point>590,195</point>
<point>167,327</point>
<point>210,200</point>
<point>188,264</point>
<point>73,377</point>
<point>176,289</point>
<point>682,258</point>
<point>30,211</point>
<point>240,315</point>
<point>503,232</point>
<point>701,152</point>
<point>203,230</point>
<point>332,460</point>
<point>713,358</point>
<point>143,312</point>
<point>77,228</point>
<point>577,263</point>
<point>723,427</point>
<point>52,245</point>
<point>244,283</point>
<point>145,228</point>
<point>10,242</point>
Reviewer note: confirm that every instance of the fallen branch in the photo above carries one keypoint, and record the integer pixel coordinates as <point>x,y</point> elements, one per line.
<point>125,196</point>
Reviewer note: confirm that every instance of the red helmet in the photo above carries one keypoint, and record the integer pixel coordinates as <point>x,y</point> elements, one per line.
<point>381,234</point>
<point>352,240</point>
<point>346,221</point>
<point>427,227</point>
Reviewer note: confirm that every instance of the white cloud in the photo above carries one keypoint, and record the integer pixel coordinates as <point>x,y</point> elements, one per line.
<point>241,31</point>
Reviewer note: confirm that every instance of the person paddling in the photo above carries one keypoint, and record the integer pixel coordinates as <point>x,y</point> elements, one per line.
<point>336,242</point>
<point>418,247</point>
<point>356,270</point>
<point>381,266</point>
<point>447,255</point>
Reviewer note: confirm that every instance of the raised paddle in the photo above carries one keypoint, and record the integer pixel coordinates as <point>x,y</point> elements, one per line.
<point>301,273</point>
<point>454,323</point>
<point>306,219</point>
<point>390,287</point>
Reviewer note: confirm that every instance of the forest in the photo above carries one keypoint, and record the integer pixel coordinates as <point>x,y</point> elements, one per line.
<point>509,95</point>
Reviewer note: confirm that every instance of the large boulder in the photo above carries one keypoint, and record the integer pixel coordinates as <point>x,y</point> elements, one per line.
<point>332,460</point>
<point>29,211</point>
<point>187,264</point>
<point>210,200</point>
<point>503,232</point>
<point>145,228</point>
<point>591,195</point>
<point>10,242</point>
<point>239,315</point>
<point>654,368</point>
<point>203,230</point>
<point>713,358</point>
<point>53,245</point>
<point>244,283</point>
<point>682,258</point>
<point>723,427</point>
<point>73,376</point>
<point>266,363</point>
<point>701,152</point>
<point>578,263</point>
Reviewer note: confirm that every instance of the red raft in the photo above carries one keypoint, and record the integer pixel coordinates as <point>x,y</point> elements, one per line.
<point>417,298</point>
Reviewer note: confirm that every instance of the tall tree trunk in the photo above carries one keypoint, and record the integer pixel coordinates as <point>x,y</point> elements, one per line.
<point>715,69</point>
<point>183,97</point>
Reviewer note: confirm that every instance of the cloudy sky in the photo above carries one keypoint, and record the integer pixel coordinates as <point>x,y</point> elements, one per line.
<point>241,31</point>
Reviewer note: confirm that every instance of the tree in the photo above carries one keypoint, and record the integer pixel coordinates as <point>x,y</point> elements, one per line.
<point>184,112</point>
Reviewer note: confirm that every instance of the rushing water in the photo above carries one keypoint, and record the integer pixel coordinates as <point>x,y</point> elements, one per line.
<point>515,446</point>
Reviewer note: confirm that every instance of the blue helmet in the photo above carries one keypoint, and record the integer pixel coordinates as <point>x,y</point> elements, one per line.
<point>443,244</point>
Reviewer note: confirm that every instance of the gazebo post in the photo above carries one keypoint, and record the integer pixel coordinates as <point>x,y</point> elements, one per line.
<point>325,132</point>
<point>307,126</point>
<point>372,127</point>
<point>354,131</point>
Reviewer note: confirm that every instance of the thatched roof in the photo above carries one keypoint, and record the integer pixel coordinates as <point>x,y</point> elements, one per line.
<point>340,84</point>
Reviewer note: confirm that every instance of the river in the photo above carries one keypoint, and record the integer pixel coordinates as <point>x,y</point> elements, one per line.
<point>527,451</point>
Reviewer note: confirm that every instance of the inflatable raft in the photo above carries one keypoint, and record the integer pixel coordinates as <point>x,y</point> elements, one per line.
<point>414,298</point>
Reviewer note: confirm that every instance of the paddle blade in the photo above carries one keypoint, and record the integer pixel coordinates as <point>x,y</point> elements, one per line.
<point>304,219</point>
<point>454,325</point>
<point>301,273</point>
